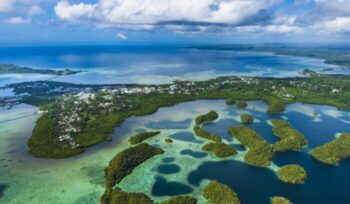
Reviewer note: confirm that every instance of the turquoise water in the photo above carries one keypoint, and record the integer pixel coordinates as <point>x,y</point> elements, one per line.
<point>151,64</point>
<point>184,167</point>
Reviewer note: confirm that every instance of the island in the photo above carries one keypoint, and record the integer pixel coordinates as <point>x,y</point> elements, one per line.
<point>238,103</point>
<point>124,162</point>
<point>180,199</point>
<point>14,69</point>
<point>77,117</point>
<point>280,200</point>
<point>246,118</point>
<point>210,116</point>
<point>333,152</point>
<point>220,149</point>
<point>216,192</point>
<point>260,152</point>
<point>117,196</point>
<point>140,137</point>
<point>276,105</point>
<point>292,174</point>
<point>290,138</point>
<point>200,132</point>
<point>168,140</point>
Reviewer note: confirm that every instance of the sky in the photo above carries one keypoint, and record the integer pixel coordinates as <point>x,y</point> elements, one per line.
<point>174,21</point>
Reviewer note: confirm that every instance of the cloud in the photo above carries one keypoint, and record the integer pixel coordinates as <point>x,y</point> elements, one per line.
<point>17,20</point>
<point>6,5</point>
<point>338,25</point>
<point>35,11</point>
<point>118,13</point>
<point>121,36</point>
<point>74,12</point>
<point>188,16</point>
<point>273,29</point>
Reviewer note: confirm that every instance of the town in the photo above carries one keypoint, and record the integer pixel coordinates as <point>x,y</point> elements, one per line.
<point>76,111</point>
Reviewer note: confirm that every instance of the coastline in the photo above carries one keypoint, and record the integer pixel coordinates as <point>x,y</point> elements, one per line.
<point>113,112</point>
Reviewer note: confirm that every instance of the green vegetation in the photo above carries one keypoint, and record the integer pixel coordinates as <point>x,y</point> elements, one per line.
<point>220,149</point>
<point>180,200</point>
<point>142,136</point>
<point>13,69</point>
<point>200,132</point>
<point>99,116</point>
<point>168,140</point>
<point>125,162</point>
<point>280,200</point>
<point>216,192</point>
<point>238,103</point>
<point>241,104</point>
<point>230,101</point>
<point>333,152</point>
<point>293,174</point>
<point>291,139</point>
<point>43,144</point>
<point>210,116</point>
<point>260,152</point>
<point>275,105</point>
<point>117,196</point>
<point>246,118</point>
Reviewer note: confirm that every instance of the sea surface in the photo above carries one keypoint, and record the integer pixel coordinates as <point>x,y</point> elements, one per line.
<point>184,167</point>
<point>103,64</point>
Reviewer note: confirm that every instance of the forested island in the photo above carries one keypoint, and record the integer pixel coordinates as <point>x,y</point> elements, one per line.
<point>79,116</point>
<point>14,69</point>
<point>260,152</point>
<point>292,174</point>
<point>280,200</point>
<point>290,138</point>
<point>333,152</point>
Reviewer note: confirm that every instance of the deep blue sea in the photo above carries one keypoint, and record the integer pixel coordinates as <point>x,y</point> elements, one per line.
<point>151,64</point>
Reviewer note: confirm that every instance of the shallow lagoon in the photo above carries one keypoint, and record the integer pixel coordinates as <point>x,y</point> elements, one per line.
<point>184,166</point>
<point>152,64</point>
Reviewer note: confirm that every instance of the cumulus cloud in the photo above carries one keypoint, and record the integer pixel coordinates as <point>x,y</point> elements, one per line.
<point>111,13</point>
<point>210,15</point>
<point>74,12</point>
